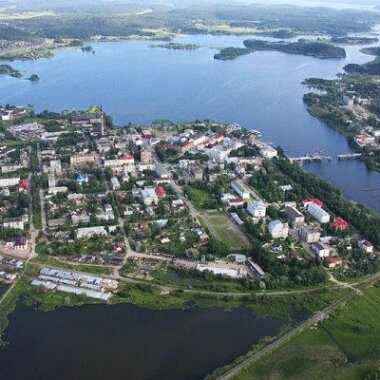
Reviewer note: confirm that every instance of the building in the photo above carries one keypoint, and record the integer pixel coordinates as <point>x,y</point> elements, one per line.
<point>126,162</point>
<point>255,268</point>
<point>268,152</point>
<point>278,230</point>
<point>229,272</point>
<point>296,217</point>
<point>115,183</point>
<point>88,232</point>
<point>236,219</point>
<point>18,243</point>
<point>257,209</point>
<point>333,262</point>
<point>160,191</point>
<point>236,202</point>
<point>77,218</point>
<point>145,156</point>
<point>8,182</point>
<point>306,202</point>
<point>82,160</point>
<point>339,223</point>
<point>309,235</point>
<point>16,223</point>
<point>149,196</point>
<point>366,246</point>
<point>241,190</point>
<point>320,250</point>
<point>318,213</point>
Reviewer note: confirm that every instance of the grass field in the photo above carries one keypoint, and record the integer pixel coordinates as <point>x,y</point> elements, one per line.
<point>224,231</point>
<point>345,346</point>
<point>198,197</point>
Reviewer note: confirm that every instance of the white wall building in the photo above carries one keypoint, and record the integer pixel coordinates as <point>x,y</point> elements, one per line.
<point>278,230</point>
<point>257,209</point>
<point>241,190</point>
<point>318,213</point>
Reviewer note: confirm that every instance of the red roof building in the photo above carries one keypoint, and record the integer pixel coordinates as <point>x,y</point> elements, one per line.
<point>126,158</point>
<point>339,223</point>
<point>160,191</point>
<point>316,201</point>
<point>23,184</point>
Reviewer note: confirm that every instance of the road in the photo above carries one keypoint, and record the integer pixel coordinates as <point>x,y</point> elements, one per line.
<point>317,317</point>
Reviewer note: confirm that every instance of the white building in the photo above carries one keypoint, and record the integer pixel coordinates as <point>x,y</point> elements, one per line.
<point>257,209</point>
<point>115,183</point>
<point>57,189</point>
<point>87,232</point>
<point>149,197</point>
<point>278,230</point>
<point>366,245</point>
<point>233,273</point>
<point>268,152</point>
<point>8,182</point>
<point>318,213</point>
<point>241,190</point>
<point>16,223</point>
<point>320,250</point>
<point>295,216</point>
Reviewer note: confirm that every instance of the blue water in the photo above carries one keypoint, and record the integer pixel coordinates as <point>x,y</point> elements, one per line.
<point>263,91</point>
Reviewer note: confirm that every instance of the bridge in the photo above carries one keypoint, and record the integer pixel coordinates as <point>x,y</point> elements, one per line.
<point>310,157</point>
<point>349,156</point>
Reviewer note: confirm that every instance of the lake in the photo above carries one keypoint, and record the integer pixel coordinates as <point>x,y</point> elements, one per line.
<point>138,84</point>
<point>127,342</point>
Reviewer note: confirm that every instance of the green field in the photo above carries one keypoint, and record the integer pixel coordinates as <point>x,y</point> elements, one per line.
<point>345,346</point>
<point>198,197</point>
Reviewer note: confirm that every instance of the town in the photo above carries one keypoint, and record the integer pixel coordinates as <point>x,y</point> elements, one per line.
<point>162,204</point>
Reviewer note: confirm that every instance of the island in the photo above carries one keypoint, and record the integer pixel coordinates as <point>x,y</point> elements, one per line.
<point>10,71</point>
<point>176,46</point>
<point>315,49</point>
<point>87,49</point>
<point>34,78</point>
<point>354,40</point>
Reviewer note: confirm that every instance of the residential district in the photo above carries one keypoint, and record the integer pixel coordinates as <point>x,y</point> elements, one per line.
<point>187,199</point>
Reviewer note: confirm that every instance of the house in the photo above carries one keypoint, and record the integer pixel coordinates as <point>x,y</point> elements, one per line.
<point>332,262</point>
<point>149,196</point>
<point>18,243</point>
<point>22,184</point>
<point>115,183</point>
<point>296,217</point>
<point>268,152</point>
<point>309,235</point>
<point>366,246</point>
<point>318,213</point>
<point>241,190</point>
<point>237,202</point>
<point>257,209</point>
<point>278,230</point>
<point>339,223</point>
<point>306,202</point>
<point>160,191</point>
<point>255,268</point>
<point>320,250</point>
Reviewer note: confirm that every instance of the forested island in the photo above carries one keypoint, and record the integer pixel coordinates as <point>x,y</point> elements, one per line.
<point>176,46</point>
<point>34,78</point>
<point>354,40</point>
<point>315,49</point>
<point>9,70</point>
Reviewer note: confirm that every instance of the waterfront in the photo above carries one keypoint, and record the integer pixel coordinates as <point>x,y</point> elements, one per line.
<point>125,341</point>
<point>138,84</point>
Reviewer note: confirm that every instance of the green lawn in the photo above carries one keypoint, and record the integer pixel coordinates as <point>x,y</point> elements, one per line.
<point>225,232</point>
<point>345,346</point>
<point>198,197</point>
